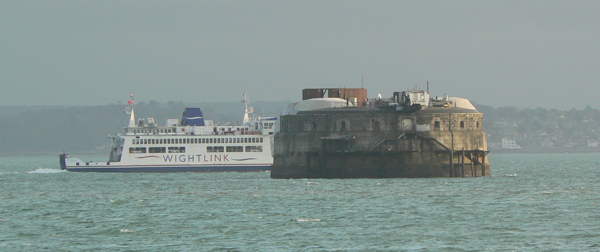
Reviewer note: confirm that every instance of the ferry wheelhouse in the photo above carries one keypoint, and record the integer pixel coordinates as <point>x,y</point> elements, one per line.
<point>191,144</point>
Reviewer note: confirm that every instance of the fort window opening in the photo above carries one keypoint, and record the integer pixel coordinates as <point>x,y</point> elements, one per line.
<point>437,125</point>
<point>462,124</point>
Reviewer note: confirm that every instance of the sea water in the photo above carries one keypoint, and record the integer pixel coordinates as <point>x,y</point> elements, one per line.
<point>531,202</point>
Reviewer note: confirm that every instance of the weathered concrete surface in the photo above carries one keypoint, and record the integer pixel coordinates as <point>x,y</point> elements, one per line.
<point>380,143</point>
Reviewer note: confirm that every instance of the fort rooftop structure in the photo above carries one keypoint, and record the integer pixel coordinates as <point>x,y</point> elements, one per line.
<point>347,135</point>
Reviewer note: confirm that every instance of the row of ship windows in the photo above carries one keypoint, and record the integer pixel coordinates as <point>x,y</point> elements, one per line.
<point>197,140</point>
<point>155,131</point>
<point>174,130</point>
<point>208,149</point>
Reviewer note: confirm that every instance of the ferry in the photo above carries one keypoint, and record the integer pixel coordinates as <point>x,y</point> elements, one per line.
<point>191,144</point>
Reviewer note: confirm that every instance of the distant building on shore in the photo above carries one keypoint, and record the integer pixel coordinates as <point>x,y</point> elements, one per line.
<point>510,144</point>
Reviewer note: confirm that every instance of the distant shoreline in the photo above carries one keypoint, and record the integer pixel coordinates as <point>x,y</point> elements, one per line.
<point>548,150</point>
<point>50,153</point>
<point>524,150</point>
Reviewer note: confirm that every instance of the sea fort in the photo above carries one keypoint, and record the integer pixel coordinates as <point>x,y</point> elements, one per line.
<point>341,133</point>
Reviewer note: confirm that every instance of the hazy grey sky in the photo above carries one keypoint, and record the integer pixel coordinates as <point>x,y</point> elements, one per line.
<point>499,53</point>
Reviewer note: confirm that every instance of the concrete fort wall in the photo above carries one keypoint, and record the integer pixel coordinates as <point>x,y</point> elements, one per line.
<point>377,143</point>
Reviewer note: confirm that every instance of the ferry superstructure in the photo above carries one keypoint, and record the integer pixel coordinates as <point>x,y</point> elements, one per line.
<point>191,144</point>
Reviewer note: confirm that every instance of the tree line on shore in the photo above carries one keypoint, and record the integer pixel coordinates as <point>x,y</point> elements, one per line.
<point>53,129</point>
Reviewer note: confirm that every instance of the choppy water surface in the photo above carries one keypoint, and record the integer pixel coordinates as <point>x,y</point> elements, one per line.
<point>531,202</point>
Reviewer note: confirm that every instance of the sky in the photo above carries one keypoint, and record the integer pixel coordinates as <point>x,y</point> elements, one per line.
<point>526,54</point>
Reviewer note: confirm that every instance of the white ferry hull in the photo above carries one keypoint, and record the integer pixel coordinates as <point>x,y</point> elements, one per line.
<point>193,160</point>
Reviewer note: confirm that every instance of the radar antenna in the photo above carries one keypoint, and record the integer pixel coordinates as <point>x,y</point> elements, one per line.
<point>249,110</point>
<point>129,111</point>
